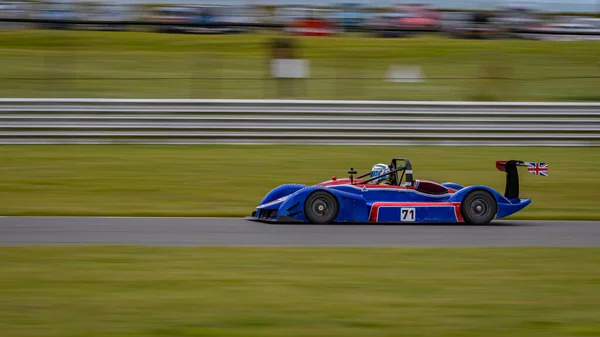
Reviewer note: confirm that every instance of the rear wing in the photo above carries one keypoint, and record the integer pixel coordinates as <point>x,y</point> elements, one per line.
<point>512,175</point>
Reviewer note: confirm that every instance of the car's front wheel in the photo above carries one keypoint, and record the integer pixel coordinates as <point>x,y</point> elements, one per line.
<point>321,207</point>
<point>479,208</point>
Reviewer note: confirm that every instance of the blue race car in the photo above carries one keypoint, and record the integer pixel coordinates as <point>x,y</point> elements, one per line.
<point>361,200</point>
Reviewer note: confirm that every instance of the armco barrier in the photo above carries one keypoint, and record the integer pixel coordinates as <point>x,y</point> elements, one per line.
<point>172,121</point>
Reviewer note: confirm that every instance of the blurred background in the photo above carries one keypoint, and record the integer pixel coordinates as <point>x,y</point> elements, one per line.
<point>384,50</point>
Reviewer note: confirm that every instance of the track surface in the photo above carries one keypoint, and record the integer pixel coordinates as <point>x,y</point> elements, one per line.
<point>238,232</point>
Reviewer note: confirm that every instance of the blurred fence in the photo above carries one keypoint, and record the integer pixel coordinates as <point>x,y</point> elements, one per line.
<point>510,77</point>
<point>97,121</point>
<point>342,71</point>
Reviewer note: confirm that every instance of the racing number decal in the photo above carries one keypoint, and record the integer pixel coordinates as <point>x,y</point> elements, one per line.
<point>407,214</point>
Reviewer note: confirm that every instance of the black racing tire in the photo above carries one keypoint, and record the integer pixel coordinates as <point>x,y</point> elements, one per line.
<point>479,208</point>
<point>321,207</point>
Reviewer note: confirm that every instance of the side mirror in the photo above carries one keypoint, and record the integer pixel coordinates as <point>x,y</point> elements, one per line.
<point>352,172</point>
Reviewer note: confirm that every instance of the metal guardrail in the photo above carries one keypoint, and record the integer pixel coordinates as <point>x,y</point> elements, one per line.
<point>172,121</point>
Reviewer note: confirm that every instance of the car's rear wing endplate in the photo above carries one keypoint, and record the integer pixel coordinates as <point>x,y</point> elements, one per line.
<point>512,175</point>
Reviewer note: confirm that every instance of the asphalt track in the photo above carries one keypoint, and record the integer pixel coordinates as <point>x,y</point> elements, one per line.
<point>15,231</point>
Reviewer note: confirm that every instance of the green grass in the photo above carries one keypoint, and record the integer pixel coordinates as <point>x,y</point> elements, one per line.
<point>149,65</point>
<point>210,180</point>
<point>117,291</point>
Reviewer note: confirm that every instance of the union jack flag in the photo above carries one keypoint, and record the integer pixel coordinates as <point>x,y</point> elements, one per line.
<point>537,168</point>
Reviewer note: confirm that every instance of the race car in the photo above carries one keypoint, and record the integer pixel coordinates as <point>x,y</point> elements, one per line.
<point>403,199</point>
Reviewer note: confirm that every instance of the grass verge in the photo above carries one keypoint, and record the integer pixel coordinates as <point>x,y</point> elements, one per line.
<point>211,180</point>
<point>117,291</point>
<point>38,63</point>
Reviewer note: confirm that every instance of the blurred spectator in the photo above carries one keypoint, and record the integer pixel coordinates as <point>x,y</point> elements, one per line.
<point>14,10</point>
<point>111,13</point>
<point>306,21</point>
<point>57,11</point>
<point>386,25</point>
<point>349,17</point>
<point>514,19</point>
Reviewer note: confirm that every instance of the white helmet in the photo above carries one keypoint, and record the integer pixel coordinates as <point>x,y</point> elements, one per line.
<point>379,169</point>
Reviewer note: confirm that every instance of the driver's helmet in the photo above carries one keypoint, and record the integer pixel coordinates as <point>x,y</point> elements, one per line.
<point>379,169</point>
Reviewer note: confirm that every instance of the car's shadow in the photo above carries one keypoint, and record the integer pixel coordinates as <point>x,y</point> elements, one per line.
<point>405,224</point>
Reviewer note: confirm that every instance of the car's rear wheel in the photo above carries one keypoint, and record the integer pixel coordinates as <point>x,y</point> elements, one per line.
<point>479,208</point>
<point>321,207</point>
